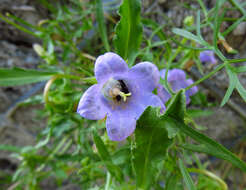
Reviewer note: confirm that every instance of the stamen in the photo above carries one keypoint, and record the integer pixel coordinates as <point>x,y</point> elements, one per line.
<point>115,90</point>
<point>124,96</point>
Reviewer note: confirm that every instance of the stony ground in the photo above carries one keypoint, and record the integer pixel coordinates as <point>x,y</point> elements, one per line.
<point>18,125</point>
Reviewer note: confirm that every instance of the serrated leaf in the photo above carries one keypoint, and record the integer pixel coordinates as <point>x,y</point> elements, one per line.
<point>128,32</point>
<point>18,76</point>
<point>106,158</point>
<point>151,143</point>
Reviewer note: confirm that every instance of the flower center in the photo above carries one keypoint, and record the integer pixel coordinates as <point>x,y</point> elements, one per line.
<point>115,90</point>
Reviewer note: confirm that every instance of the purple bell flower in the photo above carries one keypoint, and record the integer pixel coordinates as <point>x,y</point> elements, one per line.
<point>207,56</point>
<point>177,80</point>
<point>121,93</point>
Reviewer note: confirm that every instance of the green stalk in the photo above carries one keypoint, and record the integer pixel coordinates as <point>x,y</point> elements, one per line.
<point>209,174</point>
<point>207,76</point>
<point>169,89</point>
<point>17,26</point>
<point>108,181</point>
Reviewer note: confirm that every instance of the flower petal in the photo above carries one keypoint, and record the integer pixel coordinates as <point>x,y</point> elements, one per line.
<point>163,93</point>
<point>176,74</point>
<point>146,75</point>
<point>121,121</point>
<point>177,85</point>
<point>90,106</point>
<point>120,126</point>
<point>187,99</point>
<point>193,90</point>
<point>207,56</point>
<point>136,103</point>
<point>148,99</point>
<point>108,65</point>
<point>153,100</point>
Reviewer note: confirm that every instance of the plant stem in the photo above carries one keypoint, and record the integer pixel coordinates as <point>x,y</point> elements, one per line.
<point>221,66</point>
<point>108,181</point>
<point>91,80</point>
<point>17,26</point>
<point>210,175</point>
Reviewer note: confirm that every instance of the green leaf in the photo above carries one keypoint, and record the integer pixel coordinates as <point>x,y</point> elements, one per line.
<point>10,148</point>
<point>150,148</point>
<point>205,142</point>
<point>101,24</point>
<point>173,183</point>
<point>163,37</point>
<point>217,23</point>
<point>45,141</point>
<point>199,113</point>
<point>236,60</point>
<point>129,30</point>
<point>198,24</point>
<point>203,149</point>
<point>188,35</point>
<point>106,158</point>
<point>213,146</point>
<point>177,106</point>
<point>18,76</point>
<point>232,84</point>
<point>241,90</point>
<point>240,69</point>
<point>187,179</point>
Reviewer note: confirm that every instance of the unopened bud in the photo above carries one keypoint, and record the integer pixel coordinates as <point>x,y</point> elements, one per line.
<point>189,21</point>
<point>39,49</point>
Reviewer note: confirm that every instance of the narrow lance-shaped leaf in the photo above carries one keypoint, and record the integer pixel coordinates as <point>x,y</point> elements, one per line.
<point>232,84</point>
<point>241,90</point>
<point>206,144</point>
<point>129,30</point>
<point>188,35</point>
<point>18,76</point>
<point>186,176</point>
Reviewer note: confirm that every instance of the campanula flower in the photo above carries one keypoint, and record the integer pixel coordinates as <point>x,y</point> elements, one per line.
<point>207,56</point>
<point>177,80</point>
<point>122,94</point>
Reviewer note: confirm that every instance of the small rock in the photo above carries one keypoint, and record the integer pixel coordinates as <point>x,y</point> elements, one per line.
<point>240,29</point>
